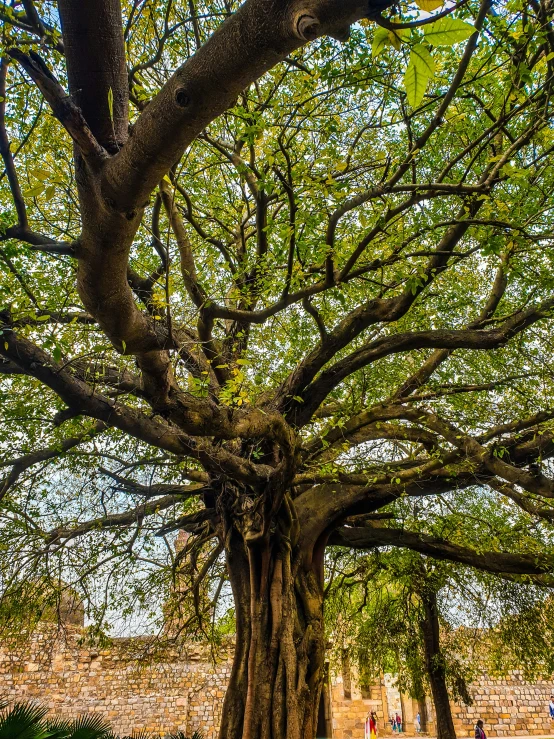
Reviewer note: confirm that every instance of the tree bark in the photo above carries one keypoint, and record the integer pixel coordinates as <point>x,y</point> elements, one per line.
<point>424,717</point>
<point>434,663</point>
<point>279,662</point>
<point>96,66</point>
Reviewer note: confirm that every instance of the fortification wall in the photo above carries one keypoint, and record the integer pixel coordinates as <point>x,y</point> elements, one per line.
<point>183,689</point>
<point>510,707</point>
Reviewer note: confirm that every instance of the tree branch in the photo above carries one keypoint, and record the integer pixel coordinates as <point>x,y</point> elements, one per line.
<point>477,339</point>
<point>495,562</point>
<point>19,466</point>
<point>68,114</point>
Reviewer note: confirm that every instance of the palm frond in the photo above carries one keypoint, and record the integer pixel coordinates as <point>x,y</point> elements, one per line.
<point>90,726</point>
<point>58,729</point>
<point>23,721</point>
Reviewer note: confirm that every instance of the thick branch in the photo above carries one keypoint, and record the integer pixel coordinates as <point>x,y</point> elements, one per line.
<point>95,57</point>
<point>65,110</point>
<point>253,40</point>
<point>495,562</point>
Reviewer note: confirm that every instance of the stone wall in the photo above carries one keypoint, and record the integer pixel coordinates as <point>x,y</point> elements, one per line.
<point>348,715</point>
<point>183,690</point>
<point>511,707</point>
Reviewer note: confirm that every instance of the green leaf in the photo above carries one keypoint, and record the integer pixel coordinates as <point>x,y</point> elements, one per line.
<point>381,40</point>
<point>57,353</point>
<point>448,31</point>
<point>32,192</point>
<point>110,103</point>
<point>420,71</point>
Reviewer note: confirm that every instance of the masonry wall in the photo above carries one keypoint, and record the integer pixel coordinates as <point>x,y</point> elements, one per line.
<point>184,690</point>
<point>180,691</point>
<point>510,707</point>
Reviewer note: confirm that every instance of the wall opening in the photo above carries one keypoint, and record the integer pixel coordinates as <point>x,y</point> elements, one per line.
<point>346,676</point>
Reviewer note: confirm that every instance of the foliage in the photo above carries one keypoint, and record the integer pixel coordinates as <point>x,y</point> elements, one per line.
<point>26,721</point>
<point>296,295</point>
<point>379,598</point>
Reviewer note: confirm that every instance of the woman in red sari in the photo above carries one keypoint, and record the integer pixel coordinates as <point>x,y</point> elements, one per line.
<point>371,725</point>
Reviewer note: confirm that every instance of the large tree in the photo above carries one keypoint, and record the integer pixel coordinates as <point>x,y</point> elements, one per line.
<point>264,296</point>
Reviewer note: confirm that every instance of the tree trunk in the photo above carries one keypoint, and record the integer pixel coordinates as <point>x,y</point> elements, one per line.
<point>279,661</point>
<point>424,718</point>
<point>434,663</point>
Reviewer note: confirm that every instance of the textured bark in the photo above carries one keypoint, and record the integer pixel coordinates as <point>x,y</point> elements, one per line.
<point>95,54</point>
<point>278,668</point>
<point>434,663</point>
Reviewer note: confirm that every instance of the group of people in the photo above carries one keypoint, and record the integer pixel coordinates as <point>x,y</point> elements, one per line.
<point>371,724</point>
<point>395,721</point>
<point>396,724</point>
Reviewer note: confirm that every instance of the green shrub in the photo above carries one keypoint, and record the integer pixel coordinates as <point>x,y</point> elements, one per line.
<point>27,721</point>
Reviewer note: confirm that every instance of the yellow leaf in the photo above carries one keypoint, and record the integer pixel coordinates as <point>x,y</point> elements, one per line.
<point>110,103</point>
<point>395,37</point>
<point>429,5</point>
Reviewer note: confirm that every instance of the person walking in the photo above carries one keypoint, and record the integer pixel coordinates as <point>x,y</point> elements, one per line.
<point>418,723</point>
<point>479,731</point>
<point>399,722</point>
<point>551,707</point>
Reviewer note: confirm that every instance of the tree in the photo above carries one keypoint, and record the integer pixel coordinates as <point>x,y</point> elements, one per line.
<point>435,625</point>
<point>387,607</point>
<point>267,296</point>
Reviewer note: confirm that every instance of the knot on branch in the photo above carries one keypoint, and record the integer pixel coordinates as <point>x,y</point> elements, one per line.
<point>182,97</point>
<point>306,27</point>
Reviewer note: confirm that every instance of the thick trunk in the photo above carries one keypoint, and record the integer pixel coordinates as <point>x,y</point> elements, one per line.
<point>434,663</point>
<point>424,718</point>
<point>278,668</point>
